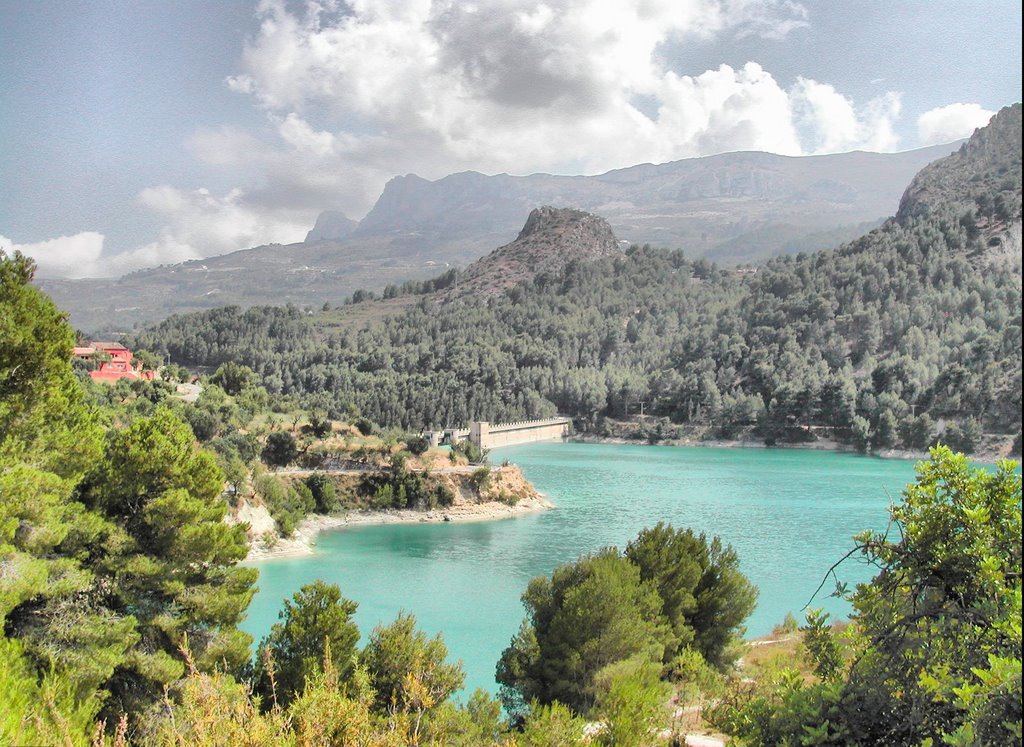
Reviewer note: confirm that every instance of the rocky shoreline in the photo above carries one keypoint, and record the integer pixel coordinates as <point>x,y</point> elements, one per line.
<point>302,543</point>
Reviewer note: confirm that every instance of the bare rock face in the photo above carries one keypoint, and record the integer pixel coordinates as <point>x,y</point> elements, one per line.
<point>980,187</point>
<point>331,225</point>
<point>550,240</point>
<point>984,175</point>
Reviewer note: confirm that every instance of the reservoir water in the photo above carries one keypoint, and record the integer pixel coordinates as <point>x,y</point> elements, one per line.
<point>790,514</point>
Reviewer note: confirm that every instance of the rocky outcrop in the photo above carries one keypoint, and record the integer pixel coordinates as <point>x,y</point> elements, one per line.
<point>979,186</point>
<point>331,225</point>
<point>549,241</point>
<point>988,164</point>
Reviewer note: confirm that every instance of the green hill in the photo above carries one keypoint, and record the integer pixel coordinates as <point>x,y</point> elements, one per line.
<point>907,334</point>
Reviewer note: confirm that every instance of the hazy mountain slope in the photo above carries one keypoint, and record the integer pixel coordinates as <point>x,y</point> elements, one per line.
<point>739,206</point>
<point>696,204</point>
<point>304,274</point>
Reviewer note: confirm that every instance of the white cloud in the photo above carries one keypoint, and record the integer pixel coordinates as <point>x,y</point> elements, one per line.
<point>834,124</point>
<point>73,256</point>
<point>200,224</point>
<point>362,92</point>
<point>197,224</point>
<point>947,123</point>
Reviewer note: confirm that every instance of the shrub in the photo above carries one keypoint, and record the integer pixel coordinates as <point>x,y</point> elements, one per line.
<point>364,426</point>
<point>280,450</point>
<point>473,453</point>
<point>481,479</point>
<point>323,492</point>
<point>417,445</point>
<point>444,495</point>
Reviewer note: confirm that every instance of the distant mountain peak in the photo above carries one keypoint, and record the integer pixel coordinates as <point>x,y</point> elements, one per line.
<point>550,239</point>
<point>331,225</point>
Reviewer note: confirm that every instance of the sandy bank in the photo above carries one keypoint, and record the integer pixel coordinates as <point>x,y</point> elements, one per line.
<point>303,540</point>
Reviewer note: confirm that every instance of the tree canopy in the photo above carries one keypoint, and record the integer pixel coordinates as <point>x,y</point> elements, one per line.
<point>901,338</point>
<point>670,591</point>
<point>934,648</point>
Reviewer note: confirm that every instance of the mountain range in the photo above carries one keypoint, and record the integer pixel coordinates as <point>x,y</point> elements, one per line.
<point>731,208</point>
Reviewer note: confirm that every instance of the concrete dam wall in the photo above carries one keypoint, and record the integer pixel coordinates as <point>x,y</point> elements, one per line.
<point>488,435</point>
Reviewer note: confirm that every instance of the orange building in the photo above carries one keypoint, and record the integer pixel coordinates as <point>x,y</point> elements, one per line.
<point>119,366</point>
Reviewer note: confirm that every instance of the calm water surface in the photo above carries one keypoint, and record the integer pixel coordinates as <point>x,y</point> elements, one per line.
<point>790,514</point>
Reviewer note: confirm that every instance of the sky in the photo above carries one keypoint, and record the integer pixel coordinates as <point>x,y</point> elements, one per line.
<point>143,133</point>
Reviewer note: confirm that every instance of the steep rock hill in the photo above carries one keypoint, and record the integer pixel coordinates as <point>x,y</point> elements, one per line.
<point>551,239</point>
<point>984,173</point>
<point>981,183</point>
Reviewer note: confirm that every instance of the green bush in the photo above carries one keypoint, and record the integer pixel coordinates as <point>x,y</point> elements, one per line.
<point>417,445</point>
<point>287,505</point>
<point>473,453</point>
<point>481,479</point>
<point>364,426</point>
<point>443,495</point>
<point>324,494</point>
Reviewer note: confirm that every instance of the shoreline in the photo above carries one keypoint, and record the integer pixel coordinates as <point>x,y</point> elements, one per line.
<point>819,445</point>
<point>302,543</point>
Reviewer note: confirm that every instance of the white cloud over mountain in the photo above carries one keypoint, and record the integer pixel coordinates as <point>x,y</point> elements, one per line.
<point>73,256</point>
<point>364,91</point>
<point>357,92</point>
<point>197,224</point>
<point>952,122</point>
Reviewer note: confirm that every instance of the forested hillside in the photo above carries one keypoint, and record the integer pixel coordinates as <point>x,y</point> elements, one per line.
<point>910,333</point>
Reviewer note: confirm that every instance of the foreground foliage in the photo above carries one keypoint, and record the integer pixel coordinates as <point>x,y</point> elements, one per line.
<point>935,639</point>
<point>120,597</point>
<point>113,551</point>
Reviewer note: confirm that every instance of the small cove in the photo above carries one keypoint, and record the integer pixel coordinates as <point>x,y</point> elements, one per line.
<point>789,513</point>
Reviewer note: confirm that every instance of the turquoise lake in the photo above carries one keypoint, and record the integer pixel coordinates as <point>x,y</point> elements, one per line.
<point>790,514</point>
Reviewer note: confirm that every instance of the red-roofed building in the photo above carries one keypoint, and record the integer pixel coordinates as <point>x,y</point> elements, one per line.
<point>114,361</point>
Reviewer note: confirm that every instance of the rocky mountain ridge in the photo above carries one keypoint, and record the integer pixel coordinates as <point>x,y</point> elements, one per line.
<point>733,207</point>
<point>751,201</point>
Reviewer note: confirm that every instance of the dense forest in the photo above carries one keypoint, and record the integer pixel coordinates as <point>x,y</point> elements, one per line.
<point>910,334</point>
